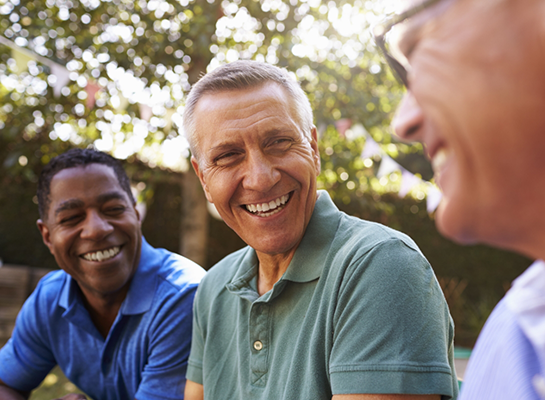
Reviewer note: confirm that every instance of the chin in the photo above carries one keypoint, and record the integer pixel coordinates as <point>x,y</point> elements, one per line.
<point>455,226</point>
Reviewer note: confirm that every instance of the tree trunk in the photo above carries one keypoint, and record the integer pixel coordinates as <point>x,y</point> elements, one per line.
<point>194,224</point>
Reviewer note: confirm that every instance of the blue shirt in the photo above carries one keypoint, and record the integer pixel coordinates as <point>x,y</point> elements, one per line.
<point>146,351</point>
<point>509,356</point>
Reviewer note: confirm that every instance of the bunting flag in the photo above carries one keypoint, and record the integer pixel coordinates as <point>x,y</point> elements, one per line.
<point>21,59</point>
<point>91,89</point>
<point>63,77</point>
<point>343,125</point>
<point>145,112</point>
<point>408,181</point>
<point>387,166</point>
<point>434,198</point>
<point>370,149</point>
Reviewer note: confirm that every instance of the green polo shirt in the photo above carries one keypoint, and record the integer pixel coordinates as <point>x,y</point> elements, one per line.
<point>358,310</point>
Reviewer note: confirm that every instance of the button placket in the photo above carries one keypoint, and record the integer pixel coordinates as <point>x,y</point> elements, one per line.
<point>259,334</point>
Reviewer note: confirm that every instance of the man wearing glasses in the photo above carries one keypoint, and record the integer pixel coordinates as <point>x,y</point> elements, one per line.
<point>474,70</point>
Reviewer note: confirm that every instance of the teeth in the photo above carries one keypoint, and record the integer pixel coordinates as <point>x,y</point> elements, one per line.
<point>102,255</point>
<point>439,159</point>
<point>272,206</point>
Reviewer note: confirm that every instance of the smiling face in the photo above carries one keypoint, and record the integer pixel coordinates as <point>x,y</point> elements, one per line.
<point>476,101</point>
<point>93,230</point>
<point>257,166</point>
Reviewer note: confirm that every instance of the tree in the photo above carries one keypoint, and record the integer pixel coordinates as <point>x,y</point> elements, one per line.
<point>129,65</point>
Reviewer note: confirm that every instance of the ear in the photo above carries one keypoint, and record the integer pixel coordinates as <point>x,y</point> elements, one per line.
<point>315,150</point>
<point>44,230</point>
<point>200,174</point>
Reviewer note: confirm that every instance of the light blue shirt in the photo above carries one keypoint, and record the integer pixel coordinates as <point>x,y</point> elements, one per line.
<point>146,351</point>
<point>507,362</point>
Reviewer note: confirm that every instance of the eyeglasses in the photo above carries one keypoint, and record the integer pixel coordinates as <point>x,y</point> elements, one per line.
<point>380,31</point>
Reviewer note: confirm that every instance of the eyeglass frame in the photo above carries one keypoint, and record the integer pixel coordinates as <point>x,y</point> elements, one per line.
<point>380,31</point>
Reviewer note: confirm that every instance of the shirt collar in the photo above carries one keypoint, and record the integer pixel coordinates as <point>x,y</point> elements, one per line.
<point>141,291</point>
<point>526,299</point>
<point>307,262</point>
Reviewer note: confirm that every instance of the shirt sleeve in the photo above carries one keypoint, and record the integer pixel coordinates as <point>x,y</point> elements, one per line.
<point>393,332</point>
<point>26,359</point>
<point>503,362</point>
<point>194,370</point>
<point>170,340</point>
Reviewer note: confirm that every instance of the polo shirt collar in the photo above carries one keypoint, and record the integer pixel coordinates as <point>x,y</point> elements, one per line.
<point>141,291</point>
<point>526,299</point>
<point>144,282</point>
<point>307,262</point>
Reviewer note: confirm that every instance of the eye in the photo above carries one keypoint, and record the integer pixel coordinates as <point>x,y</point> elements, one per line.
<point>70,219</point>
<point>227,158</point>
<point>115,210</point>
<point>281,144</point>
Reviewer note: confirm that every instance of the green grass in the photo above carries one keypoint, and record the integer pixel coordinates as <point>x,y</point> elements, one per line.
<point>54,386</point>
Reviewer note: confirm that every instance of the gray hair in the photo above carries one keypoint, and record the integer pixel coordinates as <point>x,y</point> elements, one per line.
<point>244,75</point>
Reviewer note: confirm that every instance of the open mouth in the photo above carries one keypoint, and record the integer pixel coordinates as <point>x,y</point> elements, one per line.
<point>102,255</point>
<point>270,208</point>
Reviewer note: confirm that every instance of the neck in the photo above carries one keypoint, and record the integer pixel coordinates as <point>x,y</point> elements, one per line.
<point>103,309</point>
<point>271,268</point>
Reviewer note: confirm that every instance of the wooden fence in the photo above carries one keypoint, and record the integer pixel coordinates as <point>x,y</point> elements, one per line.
<point>16,284</point>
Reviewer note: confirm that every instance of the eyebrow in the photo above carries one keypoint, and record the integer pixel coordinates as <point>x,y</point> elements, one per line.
<point>73,204</point>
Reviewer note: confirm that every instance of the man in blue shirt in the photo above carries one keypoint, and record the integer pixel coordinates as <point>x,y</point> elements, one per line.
<point>476,95</point>
<point>117,318</point>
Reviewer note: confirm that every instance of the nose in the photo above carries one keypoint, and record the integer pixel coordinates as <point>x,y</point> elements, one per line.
<point>260,173</point>
<point>95,227</point>
<point>409,118</point>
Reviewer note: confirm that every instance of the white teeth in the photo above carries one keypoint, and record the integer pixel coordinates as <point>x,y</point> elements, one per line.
<point>102,255</point>
<point>439,159</point>
<point>271,206</point>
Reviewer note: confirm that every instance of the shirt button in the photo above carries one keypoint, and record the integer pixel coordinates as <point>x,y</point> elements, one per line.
<point>258,345</point>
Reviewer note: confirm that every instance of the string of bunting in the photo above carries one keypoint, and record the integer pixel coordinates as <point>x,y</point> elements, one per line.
<point>408,179</point>
<point>22,56</point>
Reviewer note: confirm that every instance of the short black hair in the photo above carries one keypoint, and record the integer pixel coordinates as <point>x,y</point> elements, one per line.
<point>77,158</point>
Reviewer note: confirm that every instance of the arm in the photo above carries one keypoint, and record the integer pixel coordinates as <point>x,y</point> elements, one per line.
<point>392,329</point>
<point>385,397</point>
<point>164,374</point>
<point>193,391</point>
<point>7,393</point>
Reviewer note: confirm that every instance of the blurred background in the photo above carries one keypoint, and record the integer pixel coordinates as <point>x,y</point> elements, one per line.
<point>114,74</point>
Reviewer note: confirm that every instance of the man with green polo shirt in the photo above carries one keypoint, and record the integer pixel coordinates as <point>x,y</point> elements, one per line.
<point>320,305</point>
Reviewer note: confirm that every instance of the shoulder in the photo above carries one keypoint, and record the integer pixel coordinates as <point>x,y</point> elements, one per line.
<point>503,362</point>
<point>49,287</point>
<point>368,235</point>
<point>175,271</point>
<point>375,248</point>
<point>223,272</point>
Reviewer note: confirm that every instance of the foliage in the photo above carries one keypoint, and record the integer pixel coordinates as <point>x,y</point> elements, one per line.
<point>147,53</point>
